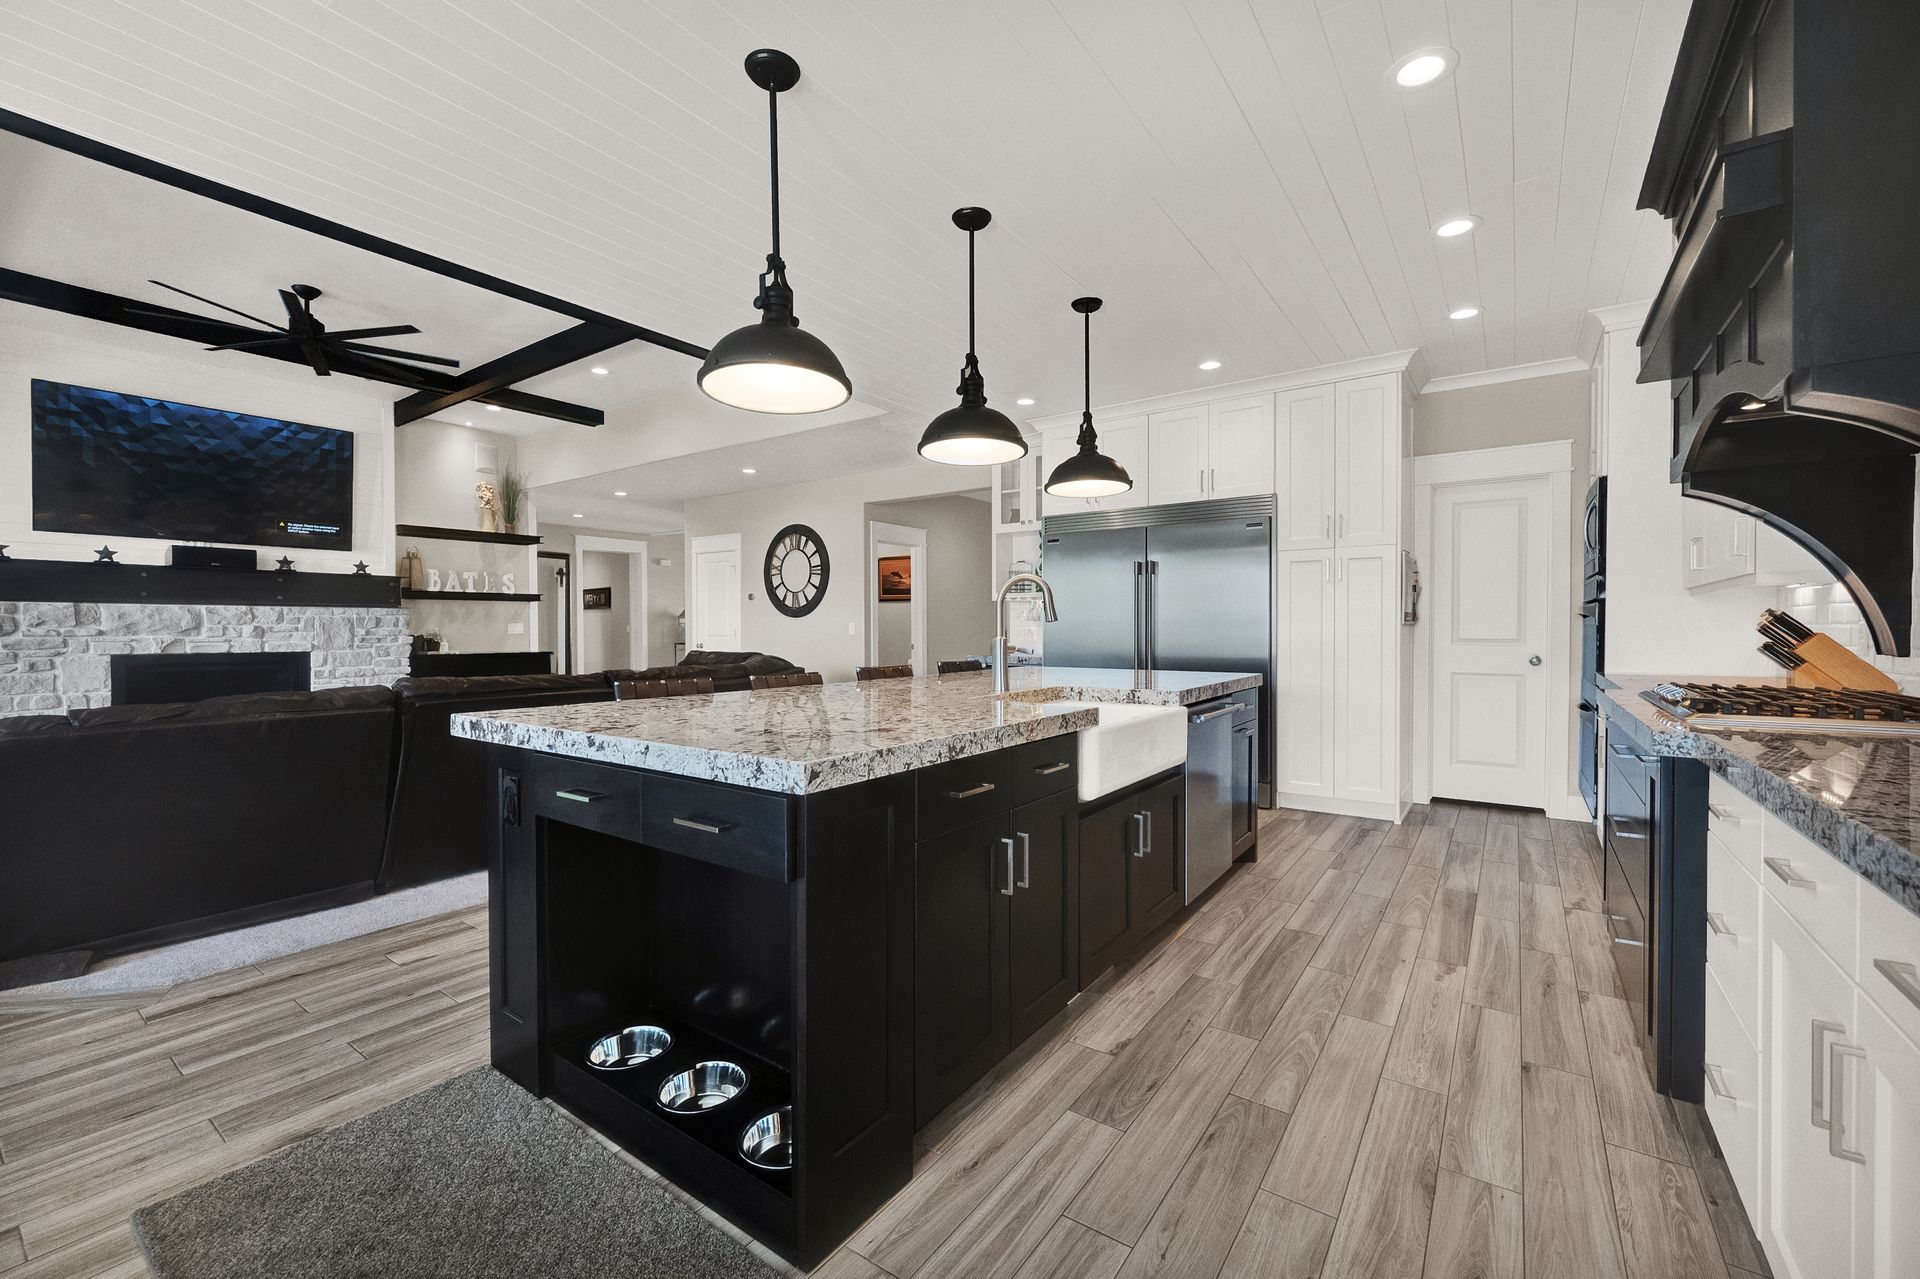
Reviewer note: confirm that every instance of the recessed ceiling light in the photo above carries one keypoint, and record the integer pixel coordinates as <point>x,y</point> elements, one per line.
<point>1752,405</point>
<point>1024,403</point>
<point>1209,365</point>
<point>1456,226</point>
<point>597,369</point>
<point>578,516</point>
<point>1463,313</point>
<point>493,408</point>
<point>467,422</point>
<point>748,470</point>
<point>1422,67</point>
<point>619,492</point>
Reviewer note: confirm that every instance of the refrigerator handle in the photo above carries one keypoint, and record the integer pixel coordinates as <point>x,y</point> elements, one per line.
<point>1139,611</point>
<point>1153,570</point>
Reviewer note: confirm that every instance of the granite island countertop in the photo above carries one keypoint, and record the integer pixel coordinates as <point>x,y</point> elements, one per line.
<point>1855,795</point>
<point>801,740</point>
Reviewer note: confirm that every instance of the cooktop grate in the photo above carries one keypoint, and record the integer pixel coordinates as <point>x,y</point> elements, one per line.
<point>1772,702</point>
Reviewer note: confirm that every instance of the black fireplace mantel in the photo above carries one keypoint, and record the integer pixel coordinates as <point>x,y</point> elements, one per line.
<point>79,582</point>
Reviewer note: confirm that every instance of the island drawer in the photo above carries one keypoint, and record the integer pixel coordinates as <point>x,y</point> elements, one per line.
<point>1038,769</point>
<point>740,829</point>
<point>597,796</point>
<point>965,790</point>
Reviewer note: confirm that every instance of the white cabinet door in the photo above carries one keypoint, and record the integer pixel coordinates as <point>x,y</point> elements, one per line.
<point>1733,1096</point>
<point>1177,455</point>
<point>1366,468</point>
<point>1809,1018</point>
<point>1716,543</point>
<point>1239,447</point>
<point>1014,488</point>
<point>1880,1107</point>
<point>1303,698</point>
<point>1366,584</point>
<point>1125,441</point>
<point>1303,468</point>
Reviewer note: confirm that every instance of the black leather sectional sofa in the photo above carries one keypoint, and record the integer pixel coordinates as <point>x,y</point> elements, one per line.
<point>129,826</point>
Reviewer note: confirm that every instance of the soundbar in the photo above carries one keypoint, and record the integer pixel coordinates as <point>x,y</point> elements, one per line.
<point>231,557</point>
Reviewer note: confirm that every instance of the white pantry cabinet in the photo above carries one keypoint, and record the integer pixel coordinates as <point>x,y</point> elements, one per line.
<point>1304,685</point>
<point>1338,454</point>
<point>1338,734</point>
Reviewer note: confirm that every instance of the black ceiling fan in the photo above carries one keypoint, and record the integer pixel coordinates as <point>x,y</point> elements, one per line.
<point>304,337</point>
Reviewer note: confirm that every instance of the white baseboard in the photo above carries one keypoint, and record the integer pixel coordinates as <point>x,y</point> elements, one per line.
<point>1389,811</point>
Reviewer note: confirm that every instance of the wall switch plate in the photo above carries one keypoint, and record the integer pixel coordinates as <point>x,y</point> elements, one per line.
<point>850,628</point>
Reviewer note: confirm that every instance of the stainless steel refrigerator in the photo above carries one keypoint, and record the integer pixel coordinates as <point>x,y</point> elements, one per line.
<point>1186,587</point>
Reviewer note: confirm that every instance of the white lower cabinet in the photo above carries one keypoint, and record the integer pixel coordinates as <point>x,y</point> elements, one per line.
<point>1880,1098</point>
<point>1733,1093</point>
<point>1303,758</point>
<point>1337,677</point>
<point>1808,1187</point>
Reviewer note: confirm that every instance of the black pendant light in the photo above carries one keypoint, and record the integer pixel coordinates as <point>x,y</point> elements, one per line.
<point>774,366</point>
<point>1089,472</point>
<point>972,434</point>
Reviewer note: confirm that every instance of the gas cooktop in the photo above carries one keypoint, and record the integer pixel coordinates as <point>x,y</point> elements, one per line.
<point>1779,708</point>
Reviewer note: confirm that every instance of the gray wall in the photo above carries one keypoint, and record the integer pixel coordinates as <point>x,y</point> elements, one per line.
<point>666,595</point>
<point>959,572</point>
<point>603,632</point>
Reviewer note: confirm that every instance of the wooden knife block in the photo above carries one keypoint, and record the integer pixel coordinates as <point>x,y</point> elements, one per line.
<point>1828,665</point>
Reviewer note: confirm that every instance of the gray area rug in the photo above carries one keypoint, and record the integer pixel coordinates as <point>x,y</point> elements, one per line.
<point>475,1178</point>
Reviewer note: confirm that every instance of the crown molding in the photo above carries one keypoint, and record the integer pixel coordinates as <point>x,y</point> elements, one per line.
<point>1625,315</point>
<point>1512,373</point>
<point>1401,362</point>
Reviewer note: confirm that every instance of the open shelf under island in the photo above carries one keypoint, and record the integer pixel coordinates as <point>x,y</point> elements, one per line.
<point>856,897</point>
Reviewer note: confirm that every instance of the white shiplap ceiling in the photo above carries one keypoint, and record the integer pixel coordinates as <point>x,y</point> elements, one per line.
<point>1239,178</point>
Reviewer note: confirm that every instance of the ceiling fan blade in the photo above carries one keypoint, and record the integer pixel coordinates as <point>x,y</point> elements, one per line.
<point>210,302</point>
<point>275,340</point>
<point>361,348</point>
<point>354,335</point>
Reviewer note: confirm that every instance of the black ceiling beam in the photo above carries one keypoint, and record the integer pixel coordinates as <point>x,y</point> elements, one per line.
<point>75,299</point>
<point>486,381</point>
<point>92,149</point>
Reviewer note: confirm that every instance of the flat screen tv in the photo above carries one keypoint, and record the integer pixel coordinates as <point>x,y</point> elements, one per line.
<point>110,464</point>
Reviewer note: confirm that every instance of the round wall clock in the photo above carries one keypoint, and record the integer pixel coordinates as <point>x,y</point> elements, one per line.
<point>796,570</point>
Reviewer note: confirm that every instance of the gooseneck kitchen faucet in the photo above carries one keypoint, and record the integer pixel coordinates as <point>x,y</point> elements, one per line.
<point>1000,602</point>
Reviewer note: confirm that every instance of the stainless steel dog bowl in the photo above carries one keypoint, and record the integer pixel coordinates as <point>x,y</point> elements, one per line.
<point>626,1049</point>
<point>709,1084</point>
<point>767,1142</point>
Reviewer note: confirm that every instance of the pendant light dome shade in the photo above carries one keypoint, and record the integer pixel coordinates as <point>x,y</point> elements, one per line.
<point>972,434</point>
<point>1089,472</point>
<point>774,366</point>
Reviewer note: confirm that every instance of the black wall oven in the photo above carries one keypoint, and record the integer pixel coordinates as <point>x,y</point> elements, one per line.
<point>1654,844</point>
<point>1593,629</point>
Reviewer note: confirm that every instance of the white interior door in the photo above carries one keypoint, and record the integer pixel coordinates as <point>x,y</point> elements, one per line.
<point>1491,620</point>
<point>713,594</point>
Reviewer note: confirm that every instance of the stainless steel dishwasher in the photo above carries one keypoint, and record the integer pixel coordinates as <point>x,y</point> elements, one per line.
<point>1210,791</point>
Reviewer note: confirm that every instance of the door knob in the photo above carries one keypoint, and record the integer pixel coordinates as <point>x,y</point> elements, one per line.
<point>1534,660</point>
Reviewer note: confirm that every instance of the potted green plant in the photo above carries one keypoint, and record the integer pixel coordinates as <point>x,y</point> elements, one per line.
<point>509,490</point>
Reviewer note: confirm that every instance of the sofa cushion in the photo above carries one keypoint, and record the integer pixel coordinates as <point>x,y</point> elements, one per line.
<point>450,688</point>
<point>236,706</point>
<point>28,725</point>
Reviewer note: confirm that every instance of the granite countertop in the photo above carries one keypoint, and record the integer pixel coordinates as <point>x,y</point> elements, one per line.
<point>801,740</point>
<point>1856,795</point>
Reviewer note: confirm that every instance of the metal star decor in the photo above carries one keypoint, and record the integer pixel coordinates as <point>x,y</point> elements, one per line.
<point>105,555</point>
<point>286,565</point>
<point>3,552</point>
<point>359,566</point>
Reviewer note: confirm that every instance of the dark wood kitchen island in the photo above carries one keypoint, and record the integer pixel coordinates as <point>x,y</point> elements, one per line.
<point>751,873</point>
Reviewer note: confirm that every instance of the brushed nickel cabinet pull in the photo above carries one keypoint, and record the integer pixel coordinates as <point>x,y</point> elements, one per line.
<point>705,828</point>
<point>1837,1102</point>
<point>1821,1094</point>
<point>971,791</point>
<point>1718,922</point>
<point>581,796</point>
<point>1784,869</point>
<point>1026,860</point>
<point>1048,770</point>
<point>1904,977</point>
<point>1139,834</point>
<point>1717,1080</point>
<point>1007,841</point>
<point>1722,815</point>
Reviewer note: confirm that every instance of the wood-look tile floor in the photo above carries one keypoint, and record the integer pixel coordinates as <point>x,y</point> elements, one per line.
<point>1380,1051</point>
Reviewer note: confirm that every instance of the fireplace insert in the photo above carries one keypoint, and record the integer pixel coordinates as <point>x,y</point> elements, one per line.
<point>146,678</point>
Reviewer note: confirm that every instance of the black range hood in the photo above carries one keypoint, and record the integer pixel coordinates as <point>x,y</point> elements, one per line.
<point>1788,327</point>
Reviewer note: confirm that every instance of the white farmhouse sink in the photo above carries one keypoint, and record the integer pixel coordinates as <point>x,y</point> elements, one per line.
<point>1129,743</point>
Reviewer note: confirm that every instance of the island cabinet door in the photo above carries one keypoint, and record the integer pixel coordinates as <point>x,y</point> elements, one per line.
<point>1042,945</point>
<point>1156,871</point>
<point>961,1026</point>
<point>1106,846</point>
<point>513,919</point>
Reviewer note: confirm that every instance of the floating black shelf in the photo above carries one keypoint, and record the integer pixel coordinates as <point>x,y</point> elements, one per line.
<point>84,582</point>
<point>466,535</point>
<point>498,597</point>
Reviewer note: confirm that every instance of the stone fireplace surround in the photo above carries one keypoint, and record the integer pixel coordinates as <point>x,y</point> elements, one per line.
<point>54,657</point>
